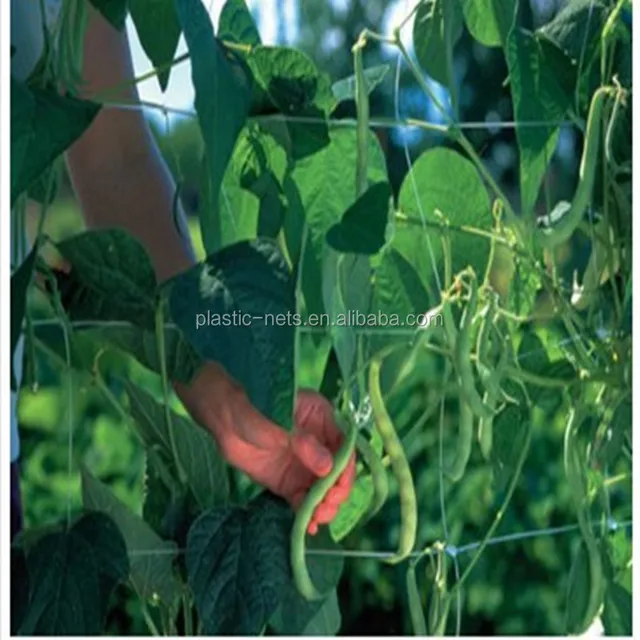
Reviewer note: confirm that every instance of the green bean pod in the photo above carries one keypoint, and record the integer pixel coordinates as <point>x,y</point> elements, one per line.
<point>399,465</point>
<point>461,340</point>
<point>418,621</point>
<point>560,231</point>
<point>465,442</point>
<point>378,475</point>
<point>439,602</point>
<point>572,466</point>
<point>314,497</point>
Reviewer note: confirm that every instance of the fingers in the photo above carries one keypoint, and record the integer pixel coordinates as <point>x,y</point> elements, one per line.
<point>312,454</point>
<point>314,414</point>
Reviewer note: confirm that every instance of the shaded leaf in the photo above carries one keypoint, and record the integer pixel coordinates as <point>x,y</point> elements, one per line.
<point>204,467</point>
<point>151,558</point>
<point>353,509</point>
<point>43,125</point>
<point>489,21</point>
<point>238,565</point>
<point>241,296</point>
<point>617,614</point>
<point>115,11</point>
<point>72,575</point>
<point>296,615</point>
<point>436,28</point>
<point>20,281</point>
<point>111,278</point>
<point>222,98</point>
<point>363,225</point>
<point>157,25</point>
<point>509,431</point>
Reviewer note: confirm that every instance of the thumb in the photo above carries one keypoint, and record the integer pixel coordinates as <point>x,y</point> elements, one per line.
<point>312,454</point>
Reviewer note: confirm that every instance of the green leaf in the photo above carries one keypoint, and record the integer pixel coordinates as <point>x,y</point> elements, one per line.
<point>326,185</point>
<point>115,11</point>
<point>363,225</point>
<point>345,89</point>
<point>151,558</point>
<point>617,615</point>
<point>296,615</point>
<point>243,296</point>
<point>20,281</point>
<point>43,125</point>
<point>238,565</point>
<point>353,510</point>
<point>204,467</point>
<point>111,278</point>
<point>523,287</point>
<point>222,90</point>
<point>442,180</point>
<point>290,80</point>
<point>157,25</point>
<point>346,291</point>
<point>236,24</point>
<point>489,21</point>
<point>619,429</point>
<point>537,97</point>
<point>72,575</point>
<point>182,361</point>
<point>436,28</point>
<point>509,432</point>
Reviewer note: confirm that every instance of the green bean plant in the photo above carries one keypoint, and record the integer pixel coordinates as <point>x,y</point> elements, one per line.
<point>298,217</point>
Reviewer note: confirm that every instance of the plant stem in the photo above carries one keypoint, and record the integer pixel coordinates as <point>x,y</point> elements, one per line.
<point>187,614</point>
<point>162,355</point>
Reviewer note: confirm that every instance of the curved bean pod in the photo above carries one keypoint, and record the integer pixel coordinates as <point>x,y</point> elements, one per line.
<point>415,603</point>
<point>465,442</point>
<point>560,231</point>
<point>399,465</point>
<point>314,497</point>
<point>378,475</point>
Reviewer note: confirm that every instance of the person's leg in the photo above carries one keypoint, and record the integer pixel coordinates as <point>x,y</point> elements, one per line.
<point>16,501</point>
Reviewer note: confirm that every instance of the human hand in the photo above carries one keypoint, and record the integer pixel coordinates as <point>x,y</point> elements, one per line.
<point>287,464</point>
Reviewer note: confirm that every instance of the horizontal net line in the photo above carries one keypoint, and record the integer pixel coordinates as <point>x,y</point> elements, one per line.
<point>376,122</point>
<point>451,550</point>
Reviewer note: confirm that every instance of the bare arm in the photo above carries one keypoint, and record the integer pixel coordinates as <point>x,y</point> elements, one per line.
<point>116,169</point>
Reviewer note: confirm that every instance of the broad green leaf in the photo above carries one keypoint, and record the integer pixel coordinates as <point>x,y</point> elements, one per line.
<point>43,125</point>
<point>71,577</point>
<point>617,614</point>
<point>353,509</point>
<point>576,28</point>
<point>346,291</point>
<point>436,28</point>
<point>222,100</point>
<point>296,615</point>
<point>489,21</point>
<point>237,562</point>
<point>442,180</point>
<point>539,98</point>
<point>111,278</point>
<point>523,287</point>
<point>288,82</point>
<point>151,558</point>
<point>509,432</point>
<point>326,185</point>
<point>290,79</point>
<point>182,361</point>
<point>345,89</point>
<point>115,11</point>
<point>20,281</point>
<point>237,25</point>
<point>235,309</point>
<point>156,22</point>
<point>204,467</point>
<point>363,225</point>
